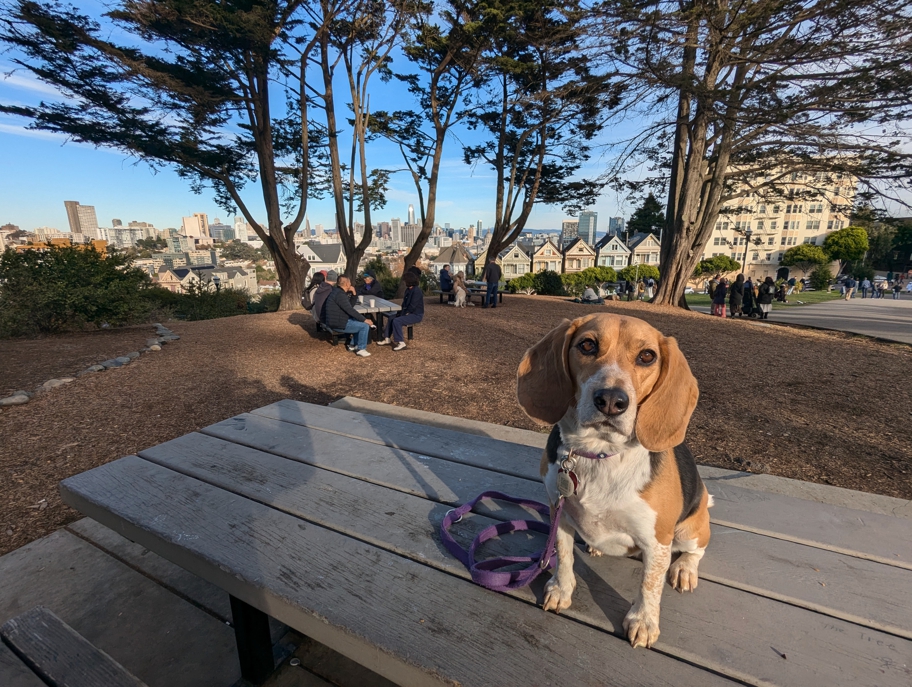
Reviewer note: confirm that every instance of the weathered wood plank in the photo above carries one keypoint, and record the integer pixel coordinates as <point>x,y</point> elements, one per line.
<point>867,535</point>
<point>14,673</point>
<point>61,656</point>
<point>705,627</point>
<point>442,480</point>
<point>499,456</point>
<point>845,530</point>
<point>382,610</point>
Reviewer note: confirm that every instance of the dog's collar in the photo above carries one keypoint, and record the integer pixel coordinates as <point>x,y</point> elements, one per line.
<point>570,453</point>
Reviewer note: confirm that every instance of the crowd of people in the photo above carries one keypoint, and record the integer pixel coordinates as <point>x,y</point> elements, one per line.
<point>893,285</point>
<point>743,297</point>
<point>331,299</point>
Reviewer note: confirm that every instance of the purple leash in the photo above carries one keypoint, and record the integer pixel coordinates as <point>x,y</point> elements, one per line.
<point>488,573</point>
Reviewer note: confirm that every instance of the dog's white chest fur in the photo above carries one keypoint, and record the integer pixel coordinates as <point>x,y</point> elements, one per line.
<point>607,509</point>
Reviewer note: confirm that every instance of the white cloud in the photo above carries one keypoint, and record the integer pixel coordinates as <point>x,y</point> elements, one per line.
<point>25,82</point>
<point>15,130</point>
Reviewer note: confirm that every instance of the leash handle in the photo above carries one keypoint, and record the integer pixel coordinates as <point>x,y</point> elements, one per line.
<point>488,573</point>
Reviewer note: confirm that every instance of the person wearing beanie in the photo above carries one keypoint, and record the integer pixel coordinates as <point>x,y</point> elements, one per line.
<point>412,312</point>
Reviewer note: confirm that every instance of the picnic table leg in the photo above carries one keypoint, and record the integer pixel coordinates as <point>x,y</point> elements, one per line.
<point>254,642</point>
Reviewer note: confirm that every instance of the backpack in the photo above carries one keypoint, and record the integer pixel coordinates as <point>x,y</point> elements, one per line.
<point>306,300</point>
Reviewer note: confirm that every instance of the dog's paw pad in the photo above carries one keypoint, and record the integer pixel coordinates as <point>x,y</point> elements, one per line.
<point>556,599</point>
<point>593,551</point>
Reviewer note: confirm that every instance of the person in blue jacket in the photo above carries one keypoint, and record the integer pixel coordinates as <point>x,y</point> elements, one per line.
<point>371,288</point>
<point>446,280</point>
<point>412,312</point>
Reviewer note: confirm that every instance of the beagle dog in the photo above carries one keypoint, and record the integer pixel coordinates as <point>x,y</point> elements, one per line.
<point>620,396</point>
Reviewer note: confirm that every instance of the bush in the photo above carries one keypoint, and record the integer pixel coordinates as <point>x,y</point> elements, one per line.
<point>524,284</point>
<point>270,300</point>
<point>630,273</point>
<point>861,272</point>
<point>576,282</point>
<point>202,302</point>
<point>820,277</point>
<point>548,283</point>
<point>66,288</point>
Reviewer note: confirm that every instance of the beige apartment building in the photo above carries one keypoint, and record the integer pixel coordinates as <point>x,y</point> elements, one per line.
<point>809,207</point>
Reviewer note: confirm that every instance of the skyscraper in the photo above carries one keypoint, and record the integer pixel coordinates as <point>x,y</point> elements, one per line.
<point>586,226</point>
<point>396,230</point>
<point>411,214</point>
<point>569,231</point>
<point>82,219</point>
<point>616,226</point>
<point>478,227</point>
<point>410,233</point>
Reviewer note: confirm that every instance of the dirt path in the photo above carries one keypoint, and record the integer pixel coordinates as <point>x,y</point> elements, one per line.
<point>814,406</point>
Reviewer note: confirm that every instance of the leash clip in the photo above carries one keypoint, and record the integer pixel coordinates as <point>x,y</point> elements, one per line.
<point>453,510</point>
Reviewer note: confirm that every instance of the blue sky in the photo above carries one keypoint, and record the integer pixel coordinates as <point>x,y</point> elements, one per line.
<point>42,170</point>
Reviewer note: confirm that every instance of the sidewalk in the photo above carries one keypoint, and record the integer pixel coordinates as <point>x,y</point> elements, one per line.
<point>883,318</point>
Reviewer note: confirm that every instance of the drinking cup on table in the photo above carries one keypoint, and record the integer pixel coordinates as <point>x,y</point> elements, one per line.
<point>361,300</point>
<point>373,302</point>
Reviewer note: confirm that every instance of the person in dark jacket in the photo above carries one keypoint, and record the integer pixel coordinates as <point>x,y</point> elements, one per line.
<point>736,297</point>
<point>340,315</point>
<point>750,298</point>
<point>718,301</point>
<point>371,288</point>
<point>412,312</point>
<point>492,278</point>
<point>321,290</point>
<point>765,294</point>
<point>446,279</point>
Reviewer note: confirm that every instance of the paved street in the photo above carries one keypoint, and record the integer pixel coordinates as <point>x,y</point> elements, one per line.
<point>884,318</point>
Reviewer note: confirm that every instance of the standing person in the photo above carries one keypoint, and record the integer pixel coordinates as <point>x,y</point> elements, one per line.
<point>850,285</point>
<point>491,277</point>
<point>791,286</point>
<point>650,285</point>
<point>629,290</point>
<point>750,298</point>
<point>882,289</point>
<point>780,293</point>
<point>411,312</point>
<point>340,315</point>
<point>897,289</point>
<point>446,281</point>
<point>765,294</point>
<point>718,301</point>
<point>736,296</point>
<point>641,290</point>
<point>865,285</point>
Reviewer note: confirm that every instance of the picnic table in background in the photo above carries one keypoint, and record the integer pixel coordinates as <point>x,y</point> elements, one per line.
<point>328,520</point>
<point>474,288</point>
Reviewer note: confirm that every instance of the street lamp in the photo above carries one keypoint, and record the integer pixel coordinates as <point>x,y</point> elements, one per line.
<point>217,281</point>
<point>747,245</point>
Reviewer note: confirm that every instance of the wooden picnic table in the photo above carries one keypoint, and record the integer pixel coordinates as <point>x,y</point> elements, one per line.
<point>380,308</point>
<point>327,520</point>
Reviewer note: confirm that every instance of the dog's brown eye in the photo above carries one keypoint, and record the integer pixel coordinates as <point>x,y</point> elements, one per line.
<point>587,347</point>
<point>647,357</point>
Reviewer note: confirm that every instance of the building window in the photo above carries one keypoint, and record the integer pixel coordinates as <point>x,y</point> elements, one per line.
<point>771,241</point>
<point>760,225</point>
<point>755,256</point>
<point>762,209</point>
<point>781,255</point>
<point>773,225</point>
<point>776,209</point>
<point>769,257</point>
<point>717,241</point>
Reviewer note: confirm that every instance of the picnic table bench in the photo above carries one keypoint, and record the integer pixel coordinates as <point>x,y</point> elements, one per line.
<point>327,520</point>
<point>381,308</point>
<point>469,293</point>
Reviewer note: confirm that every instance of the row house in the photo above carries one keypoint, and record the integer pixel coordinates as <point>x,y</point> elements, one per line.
<point>645,249</point>
<point>611,252</point>
<point>578,256</point>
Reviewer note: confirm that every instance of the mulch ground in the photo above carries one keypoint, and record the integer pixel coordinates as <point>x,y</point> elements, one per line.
<point>809,405</point>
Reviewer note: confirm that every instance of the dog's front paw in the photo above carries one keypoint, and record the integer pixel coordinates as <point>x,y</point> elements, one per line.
<point>594,551</point>
<point>642,628</point>
<point>682,575</point>
<point>557,598</point>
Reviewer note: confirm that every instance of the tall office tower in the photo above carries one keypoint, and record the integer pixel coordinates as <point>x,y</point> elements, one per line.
<point>478,229</point>
<point>307,233</point>
<point>410,233</point>
<point>616,226</point>
<point>396,230</point>
<point>203,221</point>
<point>569,231</point>
<point>446,225</point>
<point>319,232</point>
<point>116,223</point>
<point>82,219</point>
<point>411,214</point>
<point>383,230</point>
<point>240,228</point>
<point>587,223</point>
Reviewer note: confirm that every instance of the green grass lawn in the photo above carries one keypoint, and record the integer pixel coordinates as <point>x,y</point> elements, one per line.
<point>806,298</point>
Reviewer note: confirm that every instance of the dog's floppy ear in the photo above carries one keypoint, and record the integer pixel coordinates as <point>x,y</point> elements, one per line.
<point>662,418</point>
<point>543,384</point>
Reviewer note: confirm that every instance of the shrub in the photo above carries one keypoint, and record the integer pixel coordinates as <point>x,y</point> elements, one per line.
<point>548,283</point>
<point>523,284</point>
<point>65,288</point>
<point>270,300</point>
<point>576,282</point>
<point>820,277</point>
<point>202,302</point>
<point>630,273</point>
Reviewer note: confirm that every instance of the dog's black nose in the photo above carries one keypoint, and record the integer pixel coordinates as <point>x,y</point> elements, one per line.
<point>611,401</point>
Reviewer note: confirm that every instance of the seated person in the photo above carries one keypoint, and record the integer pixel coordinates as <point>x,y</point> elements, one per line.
<point>339,314</point>
<point>319,290</point>
<point>590,296</point>
<point>446,279</point>
<point>371,288</point>
<point>460,290</point>
<point>412,312</point>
